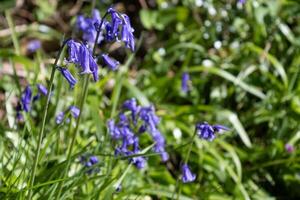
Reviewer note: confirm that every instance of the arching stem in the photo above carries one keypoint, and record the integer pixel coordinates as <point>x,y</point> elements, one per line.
<point>45,112</point>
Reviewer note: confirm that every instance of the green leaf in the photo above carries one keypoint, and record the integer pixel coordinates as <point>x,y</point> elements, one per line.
<point>233,118</point>
<point>226,75</point>
<point>277,65</point>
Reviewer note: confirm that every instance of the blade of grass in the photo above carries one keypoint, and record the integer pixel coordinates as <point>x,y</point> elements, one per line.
<point>226,75</point>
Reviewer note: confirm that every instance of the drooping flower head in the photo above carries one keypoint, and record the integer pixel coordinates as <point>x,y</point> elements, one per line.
<point>33,45</point>
<point>187,175</point>
<point>139,162</point>
<point>60,117</point>
<point>111,63</point>
<point>26,99</point>
<point>112,28</point>
<point>42,89</point>
<point>113,129</point>
<point>127,33</point>
<point>68,76</point>
<point>207,132</point>
<point>82,57</point>
<point>89,162</point>
<point>74,111</point>
<point>132,106</point>
<point>185,82</point>
<point>119,29</point>
<point>86,26</point>
<point>94,160</point>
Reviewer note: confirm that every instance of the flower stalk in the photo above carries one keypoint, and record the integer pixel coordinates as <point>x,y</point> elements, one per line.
<point>42,130</point>
<point>81,107</point>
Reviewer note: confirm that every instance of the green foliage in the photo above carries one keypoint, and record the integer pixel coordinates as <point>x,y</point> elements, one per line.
<point>244,66</point>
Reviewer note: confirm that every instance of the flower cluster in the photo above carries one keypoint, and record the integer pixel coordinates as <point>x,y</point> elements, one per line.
<point>89,162</point>
<point>86,25</point>
<point>117,29</point>
<point>82,57</point>
<point>61,115</point>
<point>27,99</point>
<point>129,127</point>
<point>207,132</point>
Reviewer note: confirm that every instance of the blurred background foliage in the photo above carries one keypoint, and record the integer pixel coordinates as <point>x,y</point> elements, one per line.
<point>243,60</point>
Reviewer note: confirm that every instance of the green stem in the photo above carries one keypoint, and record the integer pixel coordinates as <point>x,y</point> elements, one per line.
<point>190,148</point>
<point>69,155</point>
<point>85,90</point>
<point>86,83</point>
<point>186,161</point>
<point>41,133</point>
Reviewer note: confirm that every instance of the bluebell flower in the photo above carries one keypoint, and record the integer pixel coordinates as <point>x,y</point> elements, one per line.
<point>113,130</point>
<point>127,134</point>
<point>131,105</point>
<point>151,120</point>
<point>289,148</point>
<point>26,99</point>
<point>68,76</point>
<point>94,68</point>
<point>73,51</point>
<point>187,175</point>
<point>185,82</point>
<point>159,146</point>
<point>60,117</point>
<point>42,89</point>
<point>80,55</point>
<point>111,63</point>
<point>220,128</point>
<point>207,132</point>
<point>139,162</point>
<point>149,117</point>
<point>34,45</point>
<point>242,1</point>
<point>112,29</point>
<point>89,162</point>
<point>109,36</point>
<point>142,128</point>
<point>87,27</point>
<point>94,160</point>
<point>135,144</point>
<point>119,151</point>
<point>122,131</point>
<point>123,120</point>
<point>127,33</point>
<point>119,29</point>
<point>74,111</point>
<point>84,60</point>
<point>140,119</point>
